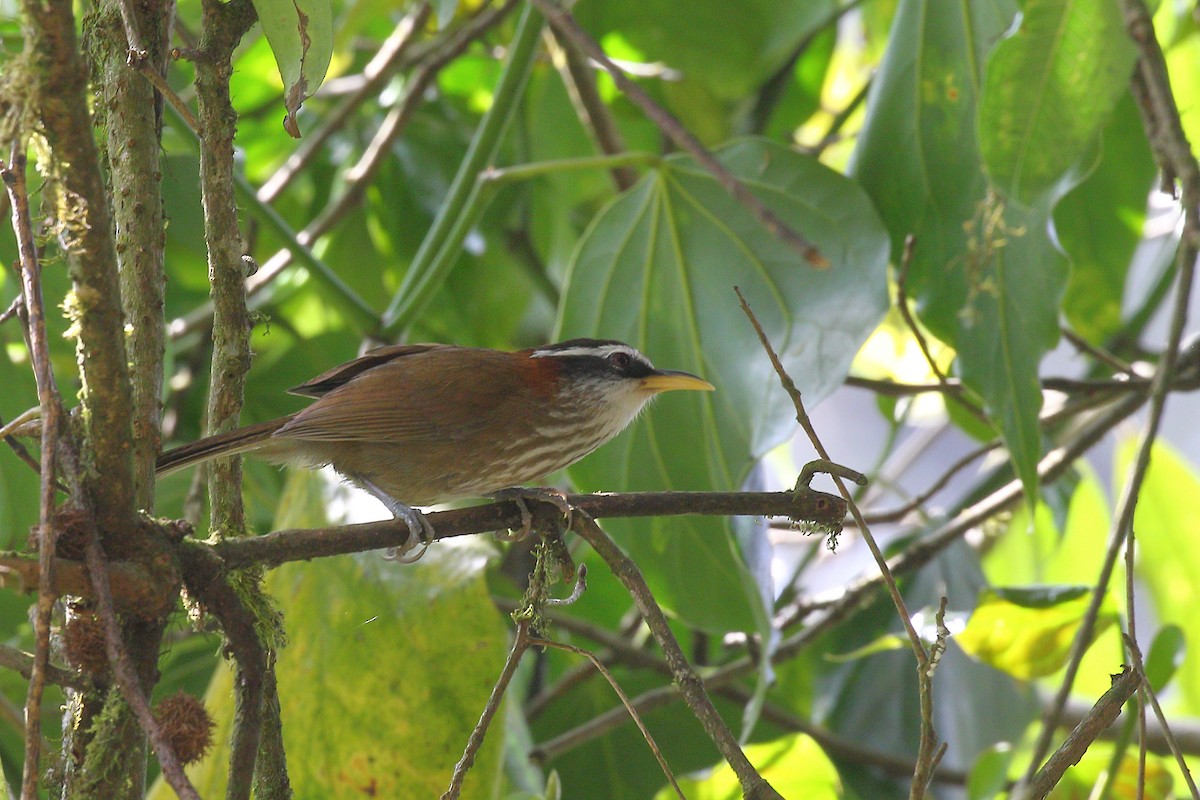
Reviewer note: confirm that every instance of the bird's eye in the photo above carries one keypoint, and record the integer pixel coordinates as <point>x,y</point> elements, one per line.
<point>620,360</point>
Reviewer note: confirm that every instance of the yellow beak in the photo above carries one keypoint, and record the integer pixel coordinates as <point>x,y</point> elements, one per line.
<point>666,380</point>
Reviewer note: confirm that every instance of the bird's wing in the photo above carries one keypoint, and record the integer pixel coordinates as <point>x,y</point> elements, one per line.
<point>450,394</point>
<point>342,374</point>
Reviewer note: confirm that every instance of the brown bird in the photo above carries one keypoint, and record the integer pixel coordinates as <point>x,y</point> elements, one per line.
<point>417,425</point>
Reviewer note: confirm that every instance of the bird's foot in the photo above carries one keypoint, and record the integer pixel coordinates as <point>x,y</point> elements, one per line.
<point>522,496</point>
<point>420,534</point>
<point>420,529</point>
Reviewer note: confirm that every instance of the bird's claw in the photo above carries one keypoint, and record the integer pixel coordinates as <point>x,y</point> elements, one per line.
<point>522,496</point>
<point>420,533</point>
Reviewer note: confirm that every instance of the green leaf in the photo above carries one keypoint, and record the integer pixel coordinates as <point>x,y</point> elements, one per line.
<point>1048,89</point>
<point>1009,320</point>
<point>657,269</point>
<point>301,37</point>
<point>1099,224</point>
<point>795,766</point>
<point>916,154</point>
<point>1029,640</point>
<point>368,702</point>
<point>1165,656</point>
<point>986,275</point>
<point>989,774</point>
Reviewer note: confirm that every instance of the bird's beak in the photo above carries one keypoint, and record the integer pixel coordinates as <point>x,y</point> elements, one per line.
<point>666,380</point>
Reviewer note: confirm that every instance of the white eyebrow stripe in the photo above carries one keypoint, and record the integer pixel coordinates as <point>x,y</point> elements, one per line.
<point>600,351</point>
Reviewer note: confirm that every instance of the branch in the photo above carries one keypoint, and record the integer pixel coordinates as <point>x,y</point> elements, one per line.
<point>819,509</point>
<point>129,46</point>
<point>206,579</point>
<point>224,25</point>
<point>1098,719</point>
<point>87,237</point>
<point>475,740</point>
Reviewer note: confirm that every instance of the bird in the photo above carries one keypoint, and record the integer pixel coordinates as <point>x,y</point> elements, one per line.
<point>426,424</point>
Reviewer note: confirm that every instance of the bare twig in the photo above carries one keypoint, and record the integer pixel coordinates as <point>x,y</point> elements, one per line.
<point>566,25</point>
<point>520,644</point>
<point>376,73</point>
<point>1098,353</point>
<point>754,786</point>
<point>1102,715</point>
<point>591,109</point>
<point>1139,667</point>
<point>906,313</point>
<point>124,671</point>
<point>51,412</point>
<point>924,496</point>
<point>206,579</point>
<point>22,663</point>
<point>789,386</point>
<point>616,687</point>
<point>926,758</point>
<point>929,750</point>
<point>360,175</point>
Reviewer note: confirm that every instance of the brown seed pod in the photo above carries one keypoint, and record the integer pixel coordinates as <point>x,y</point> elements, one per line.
<point>186,724</point>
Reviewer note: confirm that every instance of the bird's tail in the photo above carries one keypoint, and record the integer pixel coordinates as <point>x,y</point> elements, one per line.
<point>240,440</point>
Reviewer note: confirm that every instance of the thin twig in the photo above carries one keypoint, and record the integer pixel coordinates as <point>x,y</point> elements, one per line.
<point>616,687</point>
<point>521,643</point>
<point>1099,353</point>
<point>896,514</point>
<point>789,386</point>
<point>926,757</point>
<point>594,114</point>
<point>13,175</point>
<point>856,594</point>
<point>1102,715</point>
<point>565,24</point>
<point>206,579</point>
<point>1136,659</point>
<point>906,313</point>
<point>376,73</point>
<point>1139,666</point>
<point>22,663</point>
<point>13,310</point>
<point>754,786</point>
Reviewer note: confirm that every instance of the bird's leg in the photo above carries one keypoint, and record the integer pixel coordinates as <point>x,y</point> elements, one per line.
<point>420,530</point>
<point>523,495</point>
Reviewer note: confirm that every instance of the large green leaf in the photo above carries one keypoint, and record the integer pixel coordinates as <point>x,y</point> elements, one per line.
<point>368,702</point>
<point>985,273</point>
<point>657,269</point>
<point>916,153</point>
<point>1099,224</point>
<point>1009,321</point>
<point>1048,90</point>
